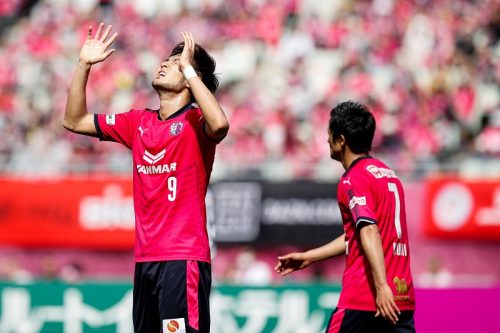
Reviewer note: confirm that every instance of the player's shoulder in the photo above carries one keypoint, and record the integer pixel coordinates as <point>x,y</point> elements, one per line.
<point>146,112</point>
<point>195,111</point>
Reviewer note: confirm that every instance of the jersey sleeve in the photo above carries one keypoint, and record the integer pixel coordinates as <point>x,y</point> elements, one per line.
<point>119,127</point>
<point>361,200</point>
<point>198,122</point>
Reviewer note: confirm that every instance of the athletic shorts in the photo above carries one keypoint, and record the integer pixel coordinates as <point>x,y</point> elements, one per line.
<point>356,321</point>
<point>172,296</point>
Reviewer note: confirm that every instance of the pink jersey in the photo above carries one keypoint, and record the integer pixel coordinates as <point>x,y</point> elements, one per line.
<point>370,192</point>
<point>172,164</point>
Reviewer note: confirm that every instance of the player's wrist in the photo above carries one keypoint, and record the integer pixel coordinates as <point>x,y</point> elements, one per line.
<point>84,64</point>
<point>189,72</point>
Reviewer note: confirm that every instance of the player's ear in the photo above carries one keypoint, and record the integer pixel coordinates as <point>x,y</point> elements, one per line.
<point>341,139</point>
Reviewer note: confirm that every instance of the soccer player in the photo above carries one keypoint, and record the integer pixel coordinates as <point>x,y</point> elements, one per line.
<point>173,152</point>
<point>377,287</point>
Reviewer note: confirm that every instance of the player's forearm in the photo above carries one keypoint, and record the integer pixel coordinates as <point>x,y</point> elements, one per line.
<point>215,118</point>
<point>76,105</point>
<point>332,249</point>
<point>372,247</point>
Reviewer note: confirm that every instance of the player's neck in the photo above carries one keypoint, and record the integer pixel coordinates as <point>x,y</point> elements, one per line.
<point>169,104</point>
<point>350,157</point>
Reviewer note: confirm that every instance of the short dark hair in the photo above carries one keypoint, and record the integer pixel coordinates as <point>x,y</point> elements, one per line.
<point>356,123</point>
<point>203,64</point>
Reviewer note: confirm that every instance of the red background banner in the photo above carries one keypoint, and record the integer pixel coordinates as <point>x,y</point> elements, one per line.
<point>462,209</point>
<point>90,213</point>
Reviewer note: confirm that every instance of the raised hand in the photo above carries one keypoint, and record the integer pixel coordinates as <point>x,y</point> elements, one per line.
<point>292,262</point>
<point>95,48</point>
<point>187,54</point>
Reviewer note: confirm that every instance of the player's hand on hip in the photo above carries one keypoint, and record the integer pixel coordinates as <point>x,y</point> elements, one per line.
<point>187,54</point>
<point>291,262</point>
<point>95,48</point>
<point>386,305</point>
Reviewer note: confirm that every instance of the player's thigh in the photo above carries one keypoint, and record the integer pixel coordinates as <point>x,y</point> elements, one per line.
<point>183,294</point>
<point>351,321</point>
<point>145,305</point>
<point>405,324</point>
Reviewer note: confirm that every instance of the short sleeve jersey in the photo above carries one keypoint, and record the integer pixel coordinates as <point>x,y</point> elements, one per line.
<point>172,162</point>
<point>371,193</point>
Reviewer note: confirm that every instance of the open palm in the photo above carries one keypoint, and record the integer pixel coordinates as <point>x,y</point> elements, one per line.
<point>95,48</point>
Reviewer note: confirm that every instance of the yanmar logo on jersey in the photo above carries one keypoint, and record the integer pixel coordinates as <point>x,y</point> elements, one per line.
<point>155,169</point>
<point>381,172</point>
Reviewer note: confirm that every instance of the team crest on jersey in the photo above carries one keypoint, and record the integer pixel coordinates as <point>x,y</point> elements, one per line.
<point>176,128</point>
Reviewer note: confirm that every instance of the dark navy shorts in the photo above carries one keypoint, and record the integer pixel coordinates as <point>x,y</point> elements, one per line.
<point>172,296</point>
<point>356,321</point>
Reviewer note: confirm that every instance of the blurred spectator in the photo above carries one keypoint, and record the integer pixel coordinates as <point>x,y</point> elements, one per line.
<point>10,270</point>
<point>436,275</point>
<point>49,268</point>
<point>250,270</point>
<point>71,272</point>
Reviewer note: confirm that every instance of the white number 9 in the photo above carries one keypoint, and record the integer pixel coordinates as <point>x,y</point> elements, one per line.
<point>172,187</point>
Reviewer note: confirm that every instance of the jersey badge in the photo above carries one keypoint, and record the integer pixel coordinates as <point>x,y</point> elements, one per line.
<point>401,285</point>
<point>357,201</point>
<point>176,325</point>
<point>110,119</point>
<point>176,128</point>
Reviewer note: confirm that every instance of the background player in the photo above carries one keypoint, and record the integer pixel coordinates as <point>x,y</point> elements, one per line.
<point>173,152</point>
<point>377,278</point>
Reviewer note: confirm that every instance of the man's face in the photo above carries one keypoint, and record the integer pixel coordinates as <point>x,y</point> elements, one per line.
<point>335,146</point>
<point>169,75</point>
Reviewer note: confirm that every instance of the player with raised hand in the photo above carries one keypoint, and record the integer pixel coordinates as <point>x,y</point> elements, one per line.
<point>377,287</point>
<point>173,150</point>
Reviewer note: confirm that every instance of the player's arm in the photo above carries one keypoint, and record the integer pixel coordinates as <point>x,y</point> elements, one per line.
<point>372,247</point>
<point>296,261</point>
<point>76,116</point>
<point>216,122</point>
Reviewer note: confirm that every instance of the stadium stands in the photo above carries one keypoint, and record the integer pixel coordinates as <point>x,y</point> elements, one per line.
<point>428,69</point>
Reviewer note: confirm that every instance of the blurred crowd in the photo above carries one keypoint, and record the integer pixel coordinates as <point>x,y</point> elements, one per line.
<point>429,70</point>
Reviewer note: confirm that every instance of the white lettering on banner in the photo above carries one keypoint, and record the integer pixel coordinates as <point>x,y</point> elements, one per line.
<point>381,172</point>
<point>490,216</point>
<point>290,311</point>
<point>112,210</point>
<point>18,316</point>
<point>300,211</point>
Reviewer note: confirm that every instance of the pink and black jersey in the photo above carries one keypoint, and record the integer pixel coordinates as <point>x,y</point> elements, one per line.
<point>370,192</point>
<point>172,162</point>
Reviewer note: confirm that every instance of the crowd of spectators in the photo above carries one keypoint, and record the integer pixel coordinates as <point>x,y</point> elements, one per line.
<point>429,70</point>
